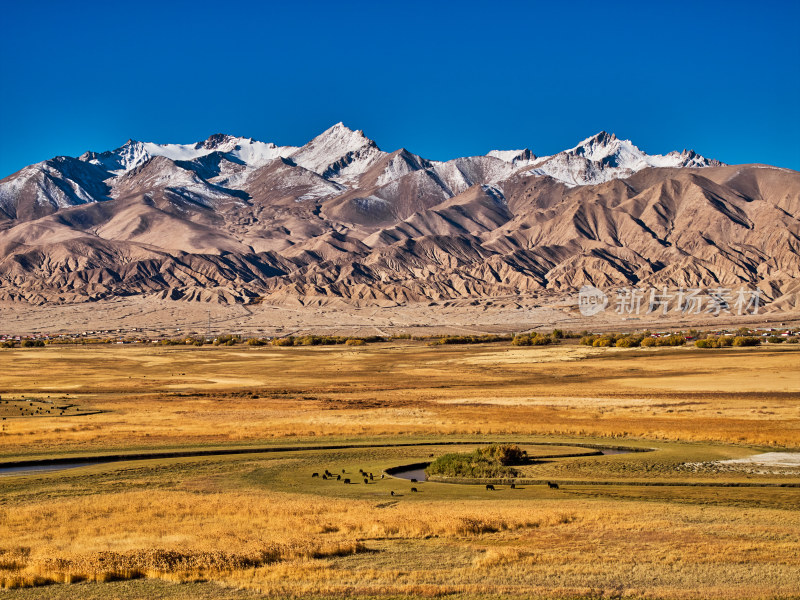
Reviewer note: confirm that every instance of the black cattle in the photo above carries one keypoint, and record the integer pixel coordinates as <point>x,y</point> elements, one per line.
<point>391,493</point>
<point>343,471</point>
<point>338,478</point>
<point>513,486</point>
<point>489,486</point>
<point>413,489</point>
<point>325,477</point>
<point>347,481</point>
<point>552,486</point>
<point>366,480</point>
<point>371,477</point>
<point>315,474</point>
<point>413,481</point>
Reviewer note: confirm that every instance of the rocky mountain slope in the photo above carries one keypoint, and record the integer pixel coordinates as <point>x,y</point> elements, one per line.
<point>232,219</point>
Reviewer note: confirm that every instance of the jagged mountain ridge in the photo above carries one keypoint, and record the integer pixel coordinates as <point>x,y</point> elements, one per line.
<point>230,219</point>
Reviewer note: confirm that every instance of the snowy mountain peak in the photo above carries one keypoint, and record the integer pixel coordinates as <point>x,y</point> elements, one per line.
<point>216,140</point>
<point>599,139</point>
<point>338,153</point>
<point>343,156</point>
<point>602,145</point>
<point>604,156</point>
<point>340,135</point>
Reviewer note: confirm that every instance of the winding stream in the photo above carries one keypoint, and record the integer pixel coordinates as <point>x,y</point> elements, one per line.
<point>414,471</point>
<point>33,469</point>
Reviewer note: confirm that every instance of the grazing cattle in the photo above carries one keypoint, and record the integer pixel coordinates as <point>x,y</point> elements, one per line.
<point>366,480</point>
<point>381,475</point>
<point>371,477</point>
<point>391,493</point>
<point>325,477</point>
<point>413,489</point>
<point>413,481</point>
<point>338,478</point>
<point>315,474</point>
<point>489,486</point>
<point>347,481</point>
<point>513,486</point>
<point>552,486</point>
<point>343,471</point>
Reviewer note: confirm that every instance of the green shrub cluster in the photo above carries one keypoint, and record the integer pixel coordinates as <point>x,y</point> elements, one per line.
<point>775,339</point>
<point>746,341</point>
<point>623,340</point>
<point>197,340</point>
<point>715,342</point>
<point>467,339</point>
<point>535,339</point>
<point>726,341</point>
<point>320,340</point>
<point>184,341</point>
<point>490,461</point>
<point>32,344</point>
<point>23,344</point>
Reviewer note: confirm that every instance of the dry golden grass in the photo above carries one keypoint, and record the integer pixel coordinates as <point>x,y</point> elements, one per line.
<point>177,396</point>
<point>261,524</point>
<point>283,544</point>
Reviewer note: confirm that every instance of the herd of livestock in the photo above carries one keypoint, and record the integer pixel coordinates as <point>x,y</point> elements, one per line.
<point>370,478</point>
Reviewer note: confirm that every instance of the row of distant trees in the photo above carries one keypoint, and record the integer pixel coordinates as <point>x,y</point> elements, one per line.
<point>742,337</point>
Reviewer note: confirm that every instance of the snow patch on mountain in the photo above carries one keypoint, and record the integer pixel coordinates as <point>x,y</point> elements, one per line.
<point>132,154</point>
<point>400,165</point>
<point>506,155</point>
<point>12,186</point>
<point>517,158</point>
<point>163,173</point>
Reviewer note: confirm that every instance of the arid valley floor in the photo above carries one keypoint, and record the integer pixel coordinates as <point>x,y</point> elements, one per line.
<point>671,522</point>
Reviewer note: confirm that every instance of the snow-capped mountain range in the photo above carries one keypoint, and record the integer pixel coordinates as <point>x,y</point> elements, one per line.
<point>232,218</point>
<point>222,165</point>
<point>342,154</point>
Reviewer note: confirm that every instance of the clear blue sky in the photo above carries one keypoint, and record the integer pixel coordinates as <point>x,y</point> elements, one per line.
<point>441,79</point>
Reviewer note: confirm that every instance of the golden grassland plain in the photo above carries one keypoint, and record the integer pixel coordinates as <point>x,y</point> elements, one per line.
<point>659,524</point>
